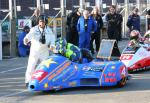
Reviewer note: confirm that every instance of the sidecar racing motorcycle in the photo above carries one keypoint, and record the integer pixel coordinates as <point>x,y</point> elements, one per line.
<point>136,58</point>
<point>58,72</point>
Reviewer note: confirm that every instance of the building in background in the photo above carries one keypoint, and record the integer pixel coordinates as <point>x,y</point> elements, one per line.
<point>28,6</point>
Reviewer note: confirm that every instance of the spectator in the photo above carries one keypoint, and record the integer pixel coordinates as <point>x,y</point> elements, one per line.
<point>148,19</point>
<point>119,26</point>
<point>120,20</point>
<point>23,49</point>
<point>72,19</point>
<point>41,38</point>
<point>85,26</point>
<point>113,22</point>
<point>35,16</point>
<point>96,35</point>
<point>133,22</point>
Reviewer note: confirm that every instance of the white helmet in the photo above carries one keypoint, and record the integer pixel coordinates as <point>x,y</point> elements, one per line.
<point>135,34</point>
<point>147,34</point>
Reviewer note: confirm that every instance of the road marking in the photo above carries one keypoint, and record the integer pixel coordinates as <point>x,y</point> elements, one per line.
<point>4,65</point>
<point>6,86</point>
<point>10,82</point>
<point>9,73</point>
<point>5,79</point>
<point>13,58</point>
<point>13,69</point>
<point>121,47</point>
<point>13,94</point>
<point>141,78</point>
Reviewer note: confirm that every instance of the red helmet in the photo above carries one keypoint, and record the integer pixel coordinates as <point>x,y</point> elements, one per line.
<point>135,34</point>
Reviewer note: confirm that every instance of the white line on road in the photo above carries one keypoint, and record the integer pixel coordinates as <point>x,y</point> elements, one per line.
<point>6,86</point>
<point>11,78</point>
<point>13,94</point>
<point>13,58</point>
<point>11,82</point>
<point>14,73</point>
<point>13,69</point>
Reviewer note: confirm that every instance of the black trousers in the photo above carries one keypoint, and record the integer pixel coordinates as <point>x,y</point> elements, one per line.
<point>113,33</point>
<point>96,37</point>
<point>72,36</point>
<point>119,34</point>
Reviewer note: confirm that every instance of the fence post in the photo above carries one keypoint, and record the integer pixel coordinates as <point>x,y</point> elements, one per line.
<point>63,17</point>
<point>1,42</point>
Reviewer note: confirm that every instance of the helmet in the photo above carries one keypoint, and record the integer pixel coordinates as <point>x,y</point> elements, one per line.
<point>148,12</point>
<point>135,34</point>
<point>60,44</point>
<point>147,37</point>
<point>44,18</point>
<point>26,29</point>
<point>61,41</point>
<point>147,34</point>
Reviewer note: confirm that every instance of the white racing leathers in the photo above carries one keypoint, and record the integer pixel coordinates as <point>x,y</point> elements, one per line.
<point>38,51</point>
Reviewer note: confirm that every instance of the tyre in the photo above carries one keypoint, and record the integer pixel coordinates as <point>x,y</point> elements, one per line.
<point>122,82</point>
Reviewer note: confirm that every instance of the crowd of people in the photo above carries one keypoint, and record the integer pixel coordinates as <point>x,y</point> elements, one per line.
<point>82,30</point>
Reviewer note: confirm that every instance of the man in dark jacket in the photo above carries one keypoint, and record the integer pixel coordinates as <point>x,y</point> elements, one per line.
<point>34,17</point>
<point>148,19</point>
<point>96,35</point>
<point>113,22</point>
<point>72,33</point>
<point>133,22</point>
<point>120,20</point>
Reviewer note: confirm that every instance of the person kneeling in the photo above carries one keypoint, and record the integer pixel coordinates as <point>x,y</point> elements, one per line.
<point>71,51</point>
<point>68,50</point>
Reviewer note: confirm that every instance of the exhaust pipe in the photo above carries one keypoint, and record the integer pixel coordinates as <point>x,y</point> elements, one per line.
<point>32,87</point>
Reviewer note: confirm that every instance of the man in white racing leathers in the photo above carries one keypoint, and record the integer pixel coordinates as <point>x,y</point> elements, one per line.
<point>42,39</point>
